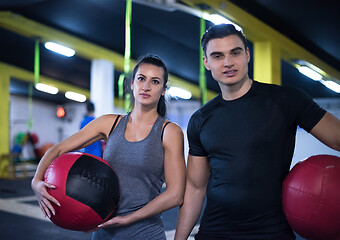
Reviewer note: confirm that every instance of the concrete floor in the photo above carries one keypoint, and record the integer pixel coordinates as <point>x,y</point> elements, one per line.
<point>21,218</point>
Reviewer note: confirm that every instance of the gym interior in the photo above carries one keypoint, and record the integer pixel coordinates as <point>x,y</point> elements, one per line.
<point>32,120</point>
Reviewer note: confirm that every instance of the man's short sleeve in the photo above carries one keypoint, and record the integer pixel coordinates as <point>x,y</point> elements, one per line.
<point>193,132</point>
<point>308,113</point>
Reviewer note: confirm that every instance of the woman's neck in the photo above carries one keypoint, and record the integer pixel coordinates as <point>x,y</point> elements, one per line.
<point>143,116</point>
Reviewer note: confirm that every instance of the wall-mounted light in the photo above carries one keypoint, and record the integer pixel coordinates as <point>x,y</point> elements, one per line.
<point>75,96</point>
<point>310,73</point>
<point>332,85</point>
<point>219,19</point>
<point>46,88</point>
<point>176,92</point>
<point>68,52</point>
<point>307,69</point>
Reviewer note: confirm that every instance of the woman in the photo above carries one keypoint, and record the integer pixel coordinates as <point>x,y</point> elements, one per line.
<point>144,149</point>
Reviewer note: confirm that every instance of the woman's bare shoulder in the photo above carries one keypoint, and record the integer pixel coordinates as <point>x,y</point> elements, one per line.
<point>109,117</point>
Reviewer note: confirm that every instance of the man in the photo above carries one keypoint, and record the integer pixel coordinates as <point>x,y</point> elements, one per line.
<point>96,147</point>
<point>241,145</point>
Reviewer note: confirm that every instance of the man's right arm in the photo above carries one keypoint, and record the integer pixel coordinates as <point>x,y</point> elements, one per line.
<point>198,172</point>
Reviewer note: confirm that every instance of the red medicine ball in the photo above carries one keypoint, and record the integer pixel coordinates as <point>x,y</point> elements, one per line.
<point>311,198</point>
<point>87,189</point>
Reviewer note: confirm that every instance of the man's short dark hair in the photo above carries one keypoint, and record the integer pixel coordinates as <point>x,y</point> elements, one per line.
<point>221,31</point>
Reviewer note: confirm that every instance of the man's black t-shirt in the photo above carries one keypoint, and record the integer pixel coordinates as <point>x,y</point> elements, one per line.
<point>250,143</point>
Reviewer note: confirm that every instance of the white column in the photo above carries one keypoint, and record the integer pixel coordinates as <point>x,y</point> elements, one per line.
<point>102,84</point>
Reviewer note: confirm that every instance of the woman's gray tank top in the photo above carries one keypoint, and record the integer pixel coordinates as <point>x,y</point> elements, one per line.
<point>140,170</point>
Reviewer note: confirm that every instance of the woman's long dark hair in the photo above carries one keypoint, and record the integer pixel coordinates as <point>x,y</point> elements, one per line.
<point>154,60</point>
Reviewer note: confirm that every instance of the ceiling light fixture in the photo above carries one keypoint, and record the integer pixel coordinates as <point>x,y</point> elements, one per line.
<point>75,96</point>
<point>310,73</point>
<point>46,88</point>
<point>176,92</point>
<point>213,17</point>
<point>68,52</point>
<point>218,19</point>
<point>332,85</point>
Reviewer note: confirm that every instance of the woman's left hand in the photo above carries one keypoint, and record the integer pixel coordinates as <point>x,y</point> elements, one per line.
<point>116,222</point>
<point>113,222</point>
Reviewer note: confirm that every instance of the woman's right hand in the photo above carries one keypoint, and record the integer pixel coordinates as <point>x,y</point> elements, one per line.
<point>95,130</point>
<point>44,199</point>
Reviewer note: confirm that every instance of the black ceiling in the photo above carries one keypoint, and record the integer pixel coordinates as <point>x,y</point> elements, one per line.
<point>173,35</point>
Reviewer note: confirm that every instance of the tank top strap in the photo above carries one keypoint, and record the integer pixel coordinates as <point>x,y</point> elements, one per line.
<point>125,120</point>
<point>158,125</point>
<point>163,128</point>
<point>114,124</point>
